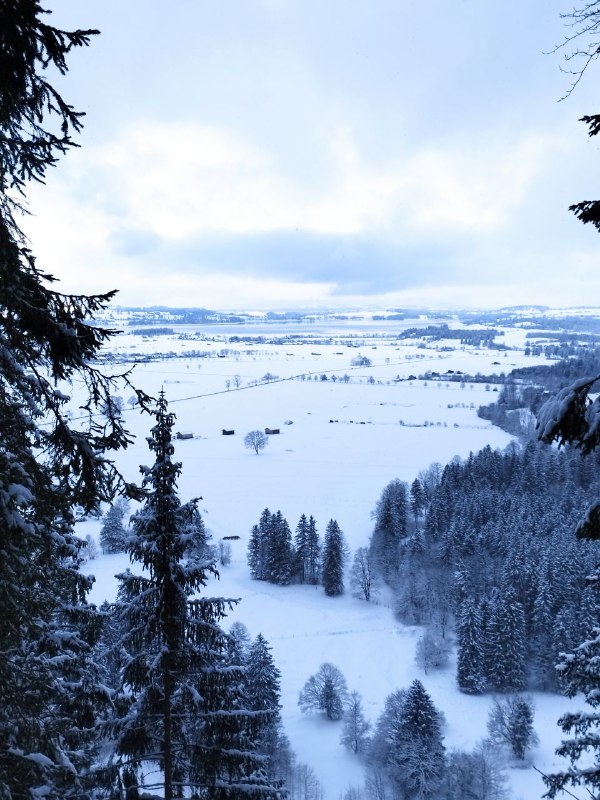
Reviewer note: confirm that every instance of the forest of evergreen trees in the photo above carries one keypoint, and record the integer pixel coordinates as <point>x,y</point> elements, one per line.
<point>496,552</point>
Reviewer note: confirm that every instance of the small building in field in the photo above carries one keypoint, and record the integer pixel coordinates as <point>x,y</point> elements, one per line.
<point>272,431</point>
<point>184,435</point>
<point>226,432</point>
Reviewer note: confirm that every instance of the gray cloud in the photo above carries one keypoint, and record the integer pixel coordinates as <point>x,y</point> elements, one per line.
<point>353,264</point>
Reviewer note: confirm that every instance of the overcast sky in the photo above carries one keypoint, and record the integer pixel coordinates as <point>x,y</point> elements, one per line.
<point>281,153</point>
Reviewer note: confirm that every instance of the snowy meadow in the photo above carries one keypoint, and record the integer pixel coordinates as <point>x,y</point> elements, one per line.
<point>355,407</point>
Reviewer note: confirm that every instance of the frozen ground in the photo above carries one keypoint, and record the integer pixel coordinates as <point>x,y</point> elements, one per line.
<point>328,469</point>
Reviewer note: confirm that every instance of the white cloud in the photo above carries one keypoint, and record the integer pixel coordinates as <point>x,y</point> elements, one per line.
<point>177,180</point>
<point>172,182</point>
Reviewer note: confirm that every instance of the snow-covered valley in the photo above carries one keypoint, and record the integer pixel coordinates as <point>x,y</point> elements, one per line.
<point>340,443</point>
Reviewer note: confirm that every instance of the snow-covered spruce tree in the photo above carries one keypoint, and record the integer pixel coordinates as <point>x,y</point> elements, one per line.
<point>204,549</point>
<point>263,693</point>
<point>258,545</point>
<point>185,711</point>
<point>580,672</point>
<point>470,663</point>
<point>313,554</point>
<point>379,751</point>
<point>505,643</point>
<point>262,678</point>
<point>112,532</point>
<point>416,751</point>
<point>391,527</point>
<point>417,501</point>
<point>47,466</point>
<point>542,640</point>
<point>332,576</point>
<point>300,549</point>
<point>256,554</point>
<point>280,552</point>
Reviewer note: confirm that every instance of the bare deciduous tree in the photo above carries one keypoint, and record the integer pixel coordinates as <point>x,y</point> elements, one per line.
<point>325,691</point>
<point>363,582</point>
<point>255,440</point>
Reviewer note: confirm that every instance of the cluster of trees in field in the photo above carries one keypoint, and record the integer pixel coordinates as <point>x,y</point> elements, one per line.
<point>567,346</point>
<point>152,332</point>
<point>277,557</point>
<point>482,337</point>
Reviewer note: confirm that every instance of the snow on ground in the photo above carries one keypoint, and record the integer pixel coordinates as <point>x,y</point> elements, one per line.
<point>345,444</point>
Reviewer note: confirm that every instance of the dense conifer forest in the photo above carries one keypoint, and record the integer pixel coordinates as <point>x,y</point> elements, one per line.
<point>501,560</point>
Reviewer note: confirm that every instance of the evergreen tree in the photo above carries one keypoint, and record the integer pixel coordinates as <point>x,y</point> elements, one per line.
<point>263,694</point>
<point>571,418</point>
<point>470,664</point>
<point>579,673</point>
<point>416,755</point>
<point>257,547</point>
<point>522,734</point>
<point>203,549</point>
<point>262,678</point>
<point>382,740</point>
<point>112,532</point>
<point>541,642</point>
<point>313,553</point>
<point>588,613</point>
<point>108,645</point>
<point>417,500</point>
<point>280,554</point>
<point>47,466</point>
<point>333,560</point>
<point>355,731</point>
<point>390,517</point>
<point>301,549</point>
<point>506,644</point>
<point>185,707</point>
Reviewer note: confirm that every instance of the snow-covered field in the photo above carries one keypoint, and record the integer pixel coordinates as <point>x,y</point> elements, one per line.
<point>344,444</point>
